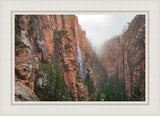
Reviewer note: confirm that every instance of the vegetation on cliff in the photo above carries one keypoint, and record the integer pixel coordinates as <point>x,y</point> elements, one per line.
<point>49,67</point>
<point>90,84</point>
<point>54,87</point>
<point>19,43</point>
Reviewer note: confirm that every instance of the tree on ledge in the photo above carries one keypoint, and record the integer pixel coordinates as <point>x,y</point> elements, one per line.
<point>89,83</point>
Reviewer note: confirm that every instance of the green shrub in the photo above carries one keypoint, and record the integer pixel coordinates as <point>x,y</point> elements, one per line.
<point>87,55</point>
<point>79,78</point>
<point>101,96</point>
<point>17,29</point>
<point>61,32</point>
<point>31,22</point>
<point>33,29</point>
<point>24,69</point>
<point>19,43</point>
<point>33,17</point>
<point>68,39</point>
<point>66,46</point>
<point>92,97</point>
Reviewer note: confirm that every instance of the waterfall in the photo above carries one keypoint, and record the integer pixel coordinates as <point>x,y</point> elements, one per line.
<point>79,58</point>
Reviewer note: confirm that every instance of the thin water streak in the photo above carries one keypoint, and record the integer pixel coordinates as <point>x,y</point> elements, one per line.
<point>79,58</point>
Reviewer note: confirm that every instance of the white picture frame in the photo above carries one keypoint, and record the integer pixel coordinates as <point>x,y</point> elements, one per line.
<point>150,8</point>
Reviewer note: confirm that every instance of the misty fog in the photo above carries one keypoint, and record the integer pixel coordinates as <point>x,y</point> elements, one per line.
<point>100,28</point>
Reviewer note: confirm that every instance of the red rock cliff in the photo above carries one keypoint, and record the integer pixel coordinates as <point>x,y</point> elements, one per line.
<point>125,54</point>
<point>51,36</point>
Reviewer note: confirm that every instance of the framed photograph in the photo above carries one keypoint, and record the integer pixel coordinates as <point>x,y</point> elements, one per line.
<point>80,58</point>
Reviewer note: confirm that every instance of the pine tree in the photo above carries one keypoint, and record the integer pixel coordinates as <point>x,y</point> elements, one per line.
<point>89,83</point>
<point>114,89</point>
<point>92,97</point>
<point>55,88</point>
<point>61,92</point>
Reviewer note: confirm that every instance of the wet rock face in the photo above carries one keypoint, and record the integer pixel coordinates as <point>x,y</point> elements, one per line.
<point>127,55</point>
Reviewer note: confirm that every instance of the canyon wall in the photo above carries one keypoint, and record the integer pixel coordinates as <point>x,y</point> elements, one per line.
<point>125,55</point>
<point>43,39</point>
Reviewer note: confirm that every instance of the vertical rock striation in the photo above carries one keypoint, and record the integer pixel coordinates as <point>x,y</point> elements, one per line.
<point>43,39</point>
<point>125,54</point>
<point>49,38</point>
